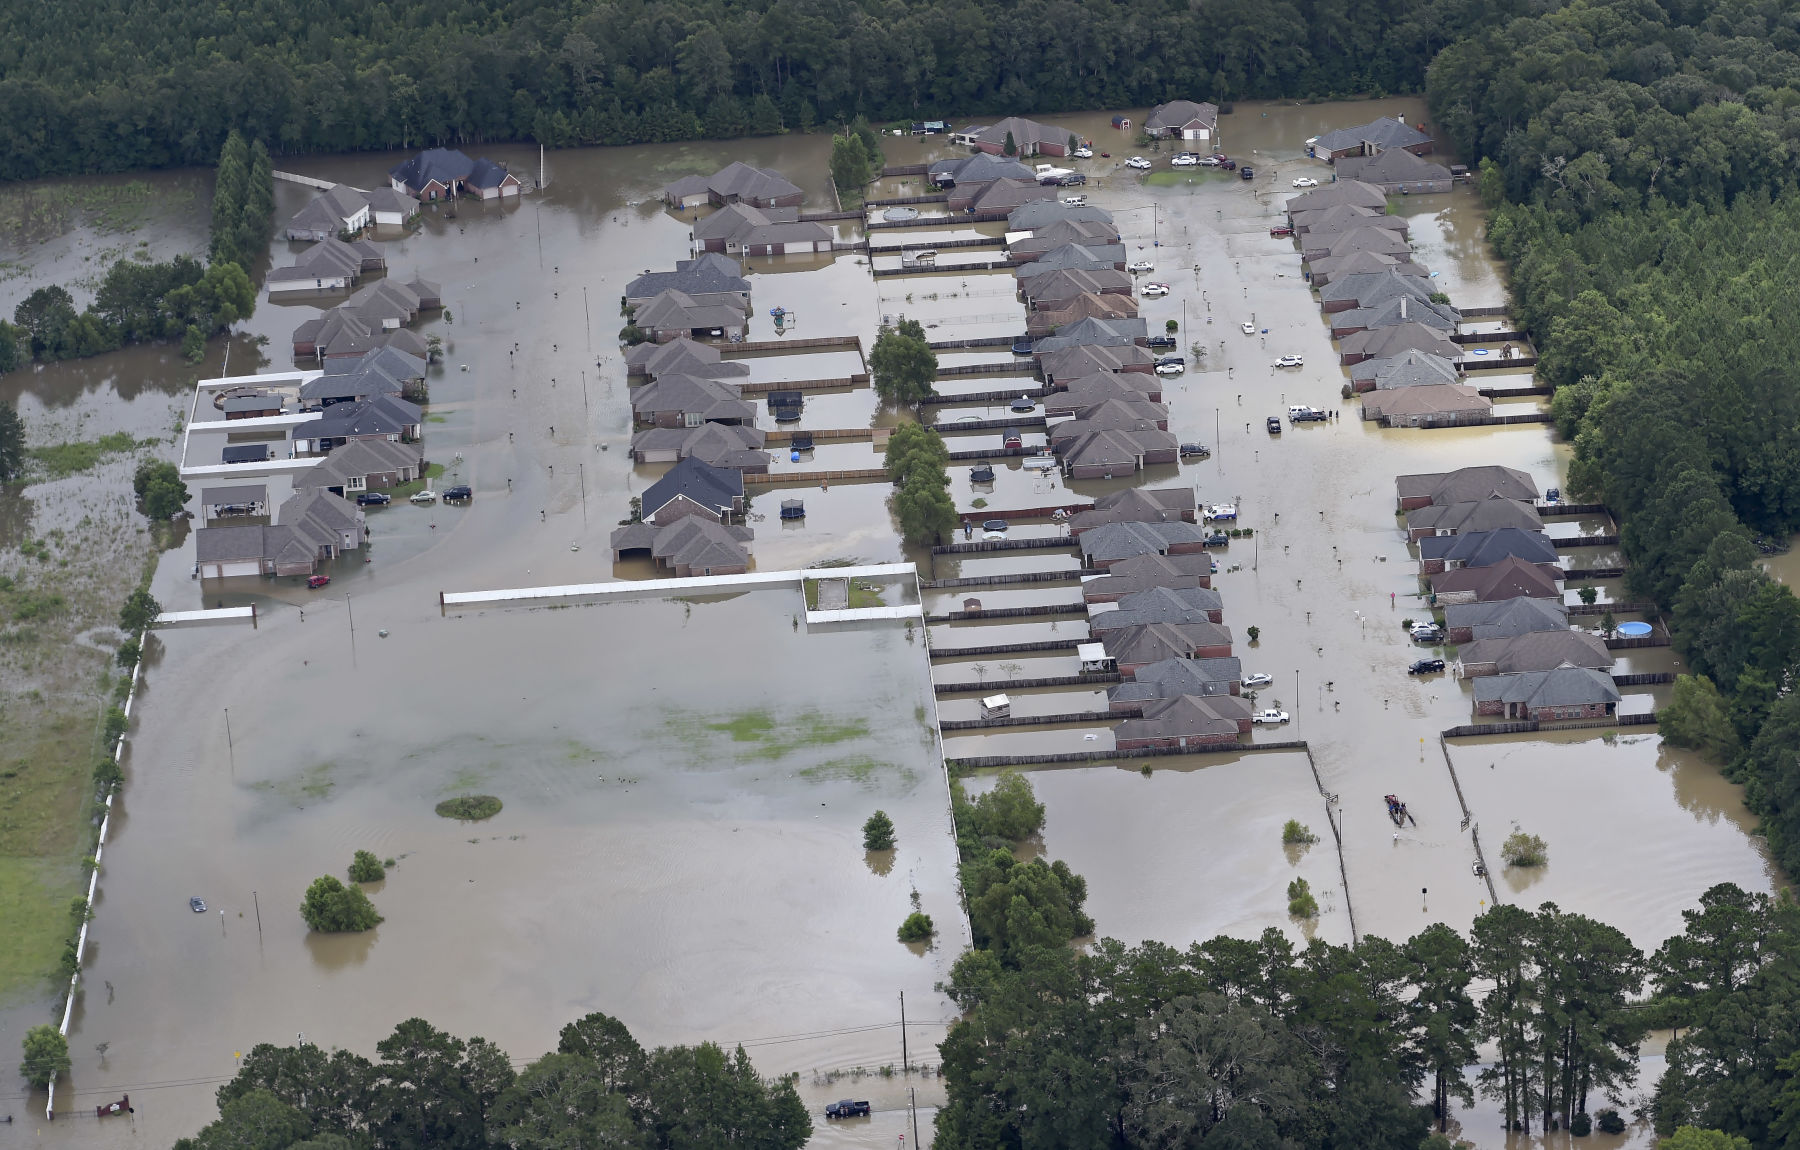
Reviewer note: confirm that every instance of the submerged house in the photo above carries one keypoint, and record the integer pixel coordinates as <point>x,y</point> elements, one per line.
<point>1185,721</point>
<point>735,183</point>
<point>688,547</point>
<point>338,210</point>
<point>1029,138</point>
<point>1184,120</point>
<point>1547,696</point>
<point>1111,543</point>
<point>1480,481</point>
<point>1145,571</point>
<point>694,488</point>
<point>1370,139</point>
<point>444,173</point>
<point>329,265</point>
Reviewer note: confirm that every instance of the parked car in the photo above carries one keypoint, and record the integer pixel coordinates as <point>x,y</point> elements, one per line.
<point>1075,201</point>
<point>1160,341</point>
<point>373,499</point>
<point>197,905</point>
<point>1209,161</point>
<point>1073,179</point>
<point>1270,716</point>
<point>1427,633</point>
<point>1306,182</point>
<point>993,525</point>
<point>1185,160</point>
<point>1138,162</point>
<point>314,582</point>
<point>1222,511</point>
<point>1258,679</point>
<point>1281,230</point>
<point>1290,361</point>
<point>1247,328</point>
<point>1246,173</point>
<point>1140,266</point>
<point>847,1109</point>
<point>1274,422</point>
<point>1171,368</point>
<point>1195,451</point>
<point>1182,360</point>
<point>1425,666</point>
<point>462,492</point>
<point>1216,539</point>
<point>1155,289</point>
<point>1305,415</point>
<point>423,497</point>
<point>1083,153</point>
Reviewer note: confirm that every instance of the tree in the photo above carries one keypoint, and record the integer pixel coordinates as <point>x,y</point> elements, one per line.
<point>605,1042</point>
<point>255,1120</point>
<point>365,867</point>
<point>1016,907</point>
<point>45,1056</point>
<point>564,1102</point>
<point>1521,849</point>
<point>915,447</point>
<point>1694,1138</point>
<point>849,164</point>
<point>1007,813</point>
<point>1697,717</point>
<point>878,832</point>
<point>924,509</point>
<point>902,365</point>
<point>330,907</point>
<point>12,442</point>
<point>1301,903</point>
<point>1011,147</point>
<point>1443,1017</point>
<point>140,610</point>
<point>158,484</point>
<point>917,928</point>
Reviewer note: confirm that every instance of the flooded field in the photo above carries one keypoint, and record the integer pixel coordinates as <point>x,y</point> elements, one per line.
<point>712,895</point>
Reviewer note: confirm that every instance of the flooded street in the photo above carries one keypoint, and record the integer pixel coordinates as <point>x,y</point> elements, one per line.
<point>685,781</point>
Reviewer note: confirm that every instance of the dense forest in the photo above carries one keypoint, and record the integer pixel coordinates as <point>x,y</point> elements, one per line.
<point>115,85</point>
<point>1641,164</point>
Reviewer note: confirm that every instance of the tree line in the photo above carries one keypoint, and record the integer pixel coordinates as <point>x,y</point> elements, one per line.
<point>428,1088</point>
<point>1639,160</point>
<point>177,299</point>
<point>118,85</point>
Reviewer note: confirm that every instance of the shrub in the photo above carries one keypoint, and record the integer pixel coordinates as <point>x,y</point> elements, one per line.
<point>140,610</point>
<point>107,774</point>
<point>1301,903</point>
<point>1295,833</point>
<point>917,928</point>
<point>365,867</point>
<point>1609,1121</point>
<point>128,654</point>
<point>330,907</point>
<point>46,1055</point>
<point>1521,849</point>
<point>1255,633</point>
<point>114,725</point>
<point>1580,1125</point>
<point>878,832</point>
<point>470,808</point>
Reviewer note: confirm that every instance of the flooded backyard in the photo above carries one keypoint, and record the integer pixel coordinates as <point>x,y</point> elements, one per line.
<point>684,781</point>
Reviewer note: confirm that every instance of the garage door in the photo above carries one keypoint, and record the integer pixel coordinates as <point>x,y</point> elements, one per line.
<point>227,570</point>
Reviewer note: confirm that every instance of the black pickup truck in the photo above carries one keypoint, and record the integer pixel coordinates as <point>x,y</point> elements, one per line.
<point>847,1109</point>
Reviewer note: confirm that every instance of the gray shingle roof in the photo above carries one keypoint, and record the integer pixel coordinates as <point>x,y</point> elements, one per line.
<point>1480,481</point>
<point>1486,548</point>
<point>445,165</point>
<point>1561,687</point>
<point>1116,541</point>
<point>717,489</point>
<point>707,274</point>
<point>1538,651</point>
<point>1507,617</point>
<point>1179,114</point>
<point>1384,132</point>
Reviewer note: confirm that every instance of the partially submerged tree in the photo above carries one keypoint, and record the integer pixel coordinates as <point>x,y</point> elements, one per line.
<point>878,832</point>
<point>902,366</point>
<point>330,907</point>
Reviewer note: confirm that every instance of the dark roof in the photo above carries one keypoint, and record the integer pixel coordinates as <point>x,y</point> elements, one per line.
<point>244,493</point>
<point>1507,617</point>
<point>746,182</point>
<point>485,173</point>
<point>1486,548</point>
<point>1393,166</point>
<point>1475,515</point>
<point>1479,481</point>
<point>1338,192</point>
<point>707,274</point>
<point>1180,113</point>
<point>445,165</point>
<point>1560,687</point>
<point>1186,716</point>
<point>1507,579</point>
<point>717,489</point>
<point>1104,332</point>
<point>1037,213</point>
<point>1385,132</point>
<point>1411,368</point>
<point>981,168</point>
<point>1158,605</point>
<point>1125,540</point>
<point>1023,132</point>
<point>1172,678</point>
<point>1538,651</point>
<point>1396,338</point>
<point>383,415</point>
<point>222,544</point>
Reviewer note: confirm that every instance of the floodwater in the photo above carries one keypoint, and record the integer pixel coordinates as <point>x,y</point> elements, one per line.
<point>705,899</point>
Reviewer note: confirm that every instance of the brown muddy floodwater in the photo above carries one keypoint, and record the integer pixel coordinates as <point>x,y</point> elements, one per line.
<point>722,892</point>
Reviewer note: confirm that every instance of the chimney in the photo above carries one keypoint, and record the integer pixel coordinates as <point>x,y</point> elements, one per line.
<point>1403,302</point>
<point>1401,117</point>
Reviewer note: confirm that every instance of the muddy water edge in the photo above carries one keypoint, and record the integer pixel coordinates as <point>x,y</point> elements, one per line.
<point>555,911</point>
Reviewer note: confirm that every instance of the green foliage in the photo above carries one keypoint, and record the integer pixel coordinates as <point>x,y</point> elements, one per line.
<point>1011,146</point>
<point>1698,717</point>
<point>917,928</point>
<point>1609,1121</point>
<point>1009,813</point>
<point>12,442</point>
<point>139,611</point>
<point>243,207</point>
<point>1294,833</point>
<point>330,907</point>
<point>45,1055</point>
<point>1521,849</point>
<point>1694,1138</point>
<point>470,808</point>
<point>112,726</point>
<point>136,303</point>
<point>913,447</point>
<point>128,654</point>
<point>1254,633</point>
<point>902,366</point>
<point>158,484</point>
<point>924,509</point>
<point>1301,903</point>
<point>365,867</point>
<point>849,164</point>
<point>254,1120</point>
<point>878,832</point>
<point>1016,908</point>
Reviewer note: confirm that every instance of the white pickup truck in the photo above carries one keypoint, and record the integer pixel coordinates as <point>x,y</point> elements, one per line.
<point>1051,174</point>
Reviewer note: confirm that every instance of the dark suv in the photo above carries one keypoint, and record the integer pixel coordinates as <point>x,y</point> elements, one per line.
<point>1274,425</point>
<point>373,498</point>
<point>1246,172</point>
<point>458,494</point>
<point>1425,666</point>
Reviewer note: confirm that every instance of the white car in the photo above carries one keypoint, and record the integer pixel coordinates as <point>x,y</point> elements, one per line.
<point>1248,328</point>
<point>1075,201</point>
<point>1260,679</point>
<point>1140,266</point>
<point>1083,153</point>
<point>1170,368</point>
<point>1155,289</point>
<point>423,497</point>
<point>1306,182</point>
<point>1185,160</point>
<point>1139,163</point>
<point>1270,716</point>
<point>1290,361</point>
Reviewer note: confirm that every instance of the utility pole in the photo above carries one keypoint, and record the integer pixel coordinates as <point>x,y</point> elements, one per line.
<point>258,903</point>
<point>589,317</point>
<point>913,1105</point>
<point>352,616</point>
<point>229,748</point>
<point>905,1064</point>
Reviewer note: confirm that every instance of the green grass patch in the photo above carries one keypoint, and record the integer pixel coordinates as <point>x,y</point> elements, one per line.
<point>437,419</point>
<point>64,459</point>
<point>34,919</point>
<point>1172,178</point>
<point>311,785</point>
<point>761,735</point>
<point>470,808</point>
<point>856,768</point>
<point>404,490</point>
